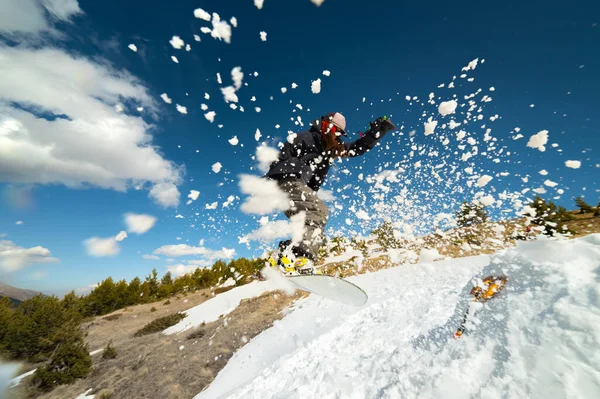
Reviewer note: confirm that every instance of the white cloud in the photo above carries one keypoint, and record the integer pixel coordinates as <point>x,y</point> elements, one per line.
<point>263,36</point>
<point>139,223</point>
<point>538,140</point>
<point>166,194</point>
<point>150,257</point>
<point>86,290</point>
<point>121,236</point>
<point>86,142</point>
<point>100,247</point>
<point>177,250</point>
<point>28,16</point>
<point>264,196</point>
<point>19,222</point>
<point>177,43</point>
<point>315,86</point>
<point>13,257</point>
<point>180,269</point>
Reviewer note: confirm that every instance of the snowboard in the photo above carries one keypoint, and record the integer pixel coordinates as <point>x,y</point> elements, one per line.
<point>330,287</point>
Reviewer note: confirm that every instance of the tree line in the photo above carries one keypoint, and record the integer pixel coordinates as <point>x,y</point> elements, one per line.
<point>45,330</point>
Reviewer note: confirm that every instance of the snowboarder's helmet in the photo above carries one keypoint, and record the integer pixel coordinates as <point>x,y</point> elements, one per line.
<point>337,120</point>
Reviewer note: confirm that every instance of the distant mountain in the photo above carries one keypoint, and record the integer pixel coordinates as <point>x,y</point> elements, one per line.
<point>16,295</point>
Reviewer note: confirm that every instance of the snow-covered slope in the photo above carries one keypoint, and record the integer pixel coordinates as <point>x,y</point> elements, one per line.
<point>540,337</point>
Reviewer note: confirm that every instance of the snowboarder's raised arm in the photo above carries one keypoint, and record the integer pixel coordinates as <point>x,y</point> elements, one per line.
<point>378,128</point>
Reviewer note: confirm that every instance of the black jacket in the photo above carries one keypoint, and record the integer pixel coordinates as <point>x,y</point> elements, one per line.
<point>305,159</point>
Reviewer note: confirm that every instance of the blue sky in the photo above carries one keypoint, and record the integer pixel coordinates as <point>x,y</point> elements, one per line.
<point>383,51</point>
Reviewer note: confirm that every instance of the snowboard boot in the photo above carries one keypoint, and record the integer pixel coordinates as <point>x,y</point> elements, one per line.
<point>305,266</point>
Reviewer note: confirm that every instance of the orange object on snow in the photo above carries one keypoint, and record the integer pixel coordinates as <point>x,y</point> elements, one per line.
<point>482,293</point>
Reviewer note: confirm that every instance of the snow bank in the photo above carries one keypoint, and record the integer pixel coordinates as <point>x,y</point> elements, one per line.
<point>8,370</point>
<point>221,304</point>
<point>537,338</point>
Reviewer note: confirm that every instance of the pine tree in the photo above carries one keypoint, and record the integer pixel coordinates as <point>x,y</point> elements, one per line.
<point>550,216</point>
<point>597,211</point>
<point>384,236</point>
<point>583,206</point>
<point>471,214</point>
<point>70,361</point>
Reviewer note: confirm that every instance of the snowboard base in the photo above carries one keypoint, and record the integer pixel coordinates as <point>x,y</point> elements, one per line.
<point>330,287</point>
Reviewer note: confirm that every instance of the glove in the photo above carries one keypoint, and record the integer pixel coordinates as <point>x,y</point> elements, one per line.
<point>380,126</point>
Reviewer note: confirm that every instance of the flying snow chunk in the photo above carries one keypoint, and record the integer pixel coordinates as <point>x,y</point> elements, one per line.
<point>177,43</point>
<point>181,108</point>
<point>294,85</point>
<point>487,200</point>
<point>210,116</point>
<point>233,22</point>
<point>201,14</point>
<point>573,164</point>
<point>132,47</point>
<point>229,94</point>
<point>175,60</point>
<point>197,38</point>
<point>193,195</point>
<point>483,180</point>
<point>205,30</point>
<point>550,183</point>
<point>447,107</point>
<point>166,98</point>
<point>430,126</point>
<point>234,140</point>
<point>263,36</point>
<point>188,47</point>
<point>257,135</point>
<point>538,140</point>
<point>259,4</point>
<point>237,76</point>
<point>472,65</point>
<point>221,29</point>
<point>326,73</point>
<point>315,86</point>
<point>317,2</point>
<point>217,167</point>
<point>284,89</point>
<point>257,109</point>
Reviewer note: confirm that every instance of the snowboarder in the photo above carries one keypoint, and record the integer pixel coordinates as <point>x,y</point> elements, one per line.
<point>300,171</point>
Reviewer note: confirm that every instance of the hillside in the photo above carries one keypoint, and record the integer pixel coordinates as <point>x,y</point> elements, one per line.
<point>16,295</point>
<point>181,365</point>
